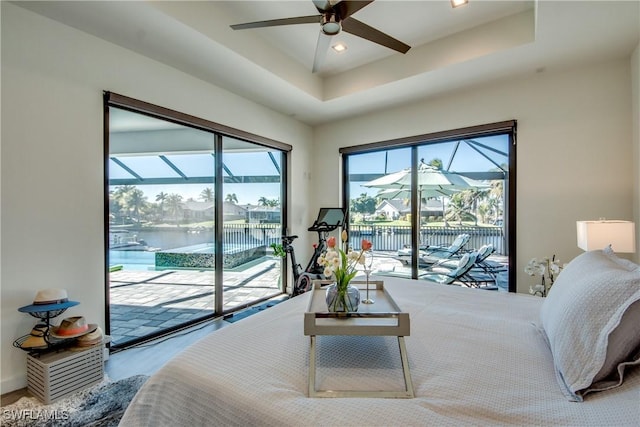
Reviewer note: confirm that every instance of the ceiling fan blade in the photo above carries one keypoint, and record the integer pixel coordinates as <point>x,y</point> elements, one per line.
<point>360,29</point>
<point>324,41</point>
<point>314,19</point>
<point>347,8</point>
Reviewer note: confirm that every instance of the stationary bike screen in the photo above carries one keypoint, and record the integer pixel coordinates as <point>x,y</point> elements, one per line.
<point>331,217</point>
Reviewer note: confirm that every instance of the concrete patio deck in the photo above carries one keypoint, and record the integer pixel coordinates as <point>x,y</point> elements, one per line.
<point>146,302</point>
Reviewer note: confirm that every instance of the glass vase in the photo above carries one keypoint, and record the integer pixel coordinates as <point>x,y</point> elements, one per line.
<point>342,301</point>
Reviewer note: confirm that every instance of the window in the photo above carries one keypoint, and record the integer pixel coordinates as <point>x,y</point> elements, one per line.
<point>191,208</point>
<point>464,183</point>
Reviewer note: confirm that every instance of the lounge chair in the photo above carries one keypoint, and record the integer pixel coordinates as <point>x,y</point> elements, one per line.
<point>449,277</point>
<point>480,275</point>
<point>435,254</point>
<point>404,253</point>
<point>491,267</point>
<point>451,263</point>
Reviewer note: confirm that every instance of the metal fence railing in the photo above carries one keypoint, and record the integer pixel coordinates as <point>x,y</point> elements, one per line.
<point>392,238</point>
<point>383,237</point>
<point>249,235</point>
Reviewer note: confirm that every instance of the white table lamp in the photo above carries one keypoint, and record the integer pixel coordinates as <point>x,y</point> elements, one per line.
<point>621,235</point>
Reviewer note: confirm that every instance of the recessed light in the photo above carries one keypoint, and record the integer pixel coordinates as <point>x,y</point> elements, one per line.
<point>458,3</point>
<point>339,47</point>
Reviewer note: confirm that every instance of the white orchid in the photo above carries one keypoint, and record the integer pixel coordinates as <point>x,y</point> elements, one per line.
<point>545,268</point>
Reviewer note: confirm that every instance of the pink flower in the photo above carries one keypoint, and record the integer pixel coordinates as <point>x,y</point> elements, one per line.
<point>331,242</point>
<point>365,245</point>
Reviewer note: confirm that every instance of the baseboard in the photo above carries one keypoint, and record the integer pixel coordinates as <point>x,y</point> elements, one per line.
<point>14,383</point>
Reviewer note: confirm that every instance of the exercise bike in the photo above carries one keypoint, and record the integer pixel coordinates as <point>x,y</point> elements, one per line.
<point>328,220</point>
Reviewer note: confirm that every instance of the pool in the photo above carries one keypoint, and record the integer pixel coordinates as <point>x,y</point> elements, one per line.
<point>202,256</point>
<point>132,260</point>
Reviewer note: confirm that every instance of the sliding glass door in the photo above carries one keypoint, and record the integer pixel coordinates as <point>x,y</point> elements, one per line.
<point>424,200</point>
<point>160,257</point>
<point>190,214</point>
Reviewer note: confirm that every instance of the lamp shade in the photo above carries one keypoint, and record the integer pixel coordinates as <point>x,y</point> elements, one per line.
<point>621,235</point>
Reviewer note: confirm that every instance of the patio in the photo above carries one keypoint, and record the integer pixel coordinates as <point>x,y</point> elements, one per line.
<point>146,302</point>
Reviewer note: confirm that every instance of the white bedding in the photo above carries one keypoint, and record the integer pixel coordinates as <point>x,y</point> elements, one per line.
<point>476,357</point>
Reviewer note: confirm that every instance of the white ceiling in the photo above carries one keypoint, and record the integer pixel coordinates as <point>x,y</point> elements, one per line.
<point>451,49</point>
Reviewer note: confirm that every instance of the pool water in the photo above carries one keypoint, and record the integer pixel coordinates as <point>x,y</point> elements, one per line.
<point>200,256</point>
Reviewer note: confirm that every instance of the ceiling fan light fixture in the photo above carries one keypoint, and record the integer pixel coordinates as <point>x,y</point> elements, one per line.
<point>330,25</point>
<point>458,3</point>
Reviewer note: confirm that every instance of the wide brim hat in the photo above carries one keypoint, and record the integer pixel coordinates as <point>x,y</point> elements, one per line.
<point>36,340</point>
<point>49,300</point>
<point>89,340</point>
<point>72,327</point>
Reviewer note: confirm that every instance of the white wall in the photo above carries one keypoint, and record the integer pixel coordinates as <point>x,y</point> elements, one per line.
<point>52,160</point>
<point>574,149</point>
<point>635,119</point>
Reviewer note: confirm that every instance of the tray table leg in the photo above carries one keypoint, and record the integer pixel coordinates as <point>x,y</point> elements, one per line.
<point>405,367</point>
<point>312,367</point>
<point>407,393</point>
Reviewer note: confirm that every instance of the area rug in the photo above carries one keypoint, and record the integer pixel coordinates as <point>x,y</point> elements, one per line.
<point>99,406</point>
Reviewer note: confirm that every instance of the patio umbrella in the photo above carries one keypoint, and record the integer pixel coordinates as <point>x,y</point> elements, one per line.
<point>432,182</point>
<point>430,179</point>
<point>405,193</point>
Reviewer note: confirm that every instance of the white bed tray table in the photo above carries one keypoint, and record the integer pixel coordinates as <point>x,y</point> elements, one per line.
<point>383,318</point>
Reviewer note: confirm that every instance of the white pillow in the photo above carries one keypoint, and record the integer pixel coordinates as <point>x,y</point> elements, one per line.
<point>582,310</point>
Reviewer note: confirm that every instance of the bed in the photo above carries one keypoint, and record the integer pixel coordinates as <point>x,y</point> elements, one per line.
<point>476,358</point>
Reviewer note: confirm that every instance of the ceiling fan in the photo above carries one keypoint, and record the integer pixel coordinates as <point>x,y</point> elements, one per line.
<point>335,16</point>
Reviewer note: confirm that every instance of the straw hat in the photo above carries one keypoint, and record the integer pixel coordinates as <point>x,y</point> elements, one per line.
<point>72,327</point>
<point>36,339</point>
<point>92,339</point>
<point>49,300</point>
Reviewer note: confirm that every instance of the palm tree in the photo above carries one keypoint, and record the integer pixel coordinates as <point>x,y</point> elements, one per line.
<point>115,205</point>
<point>483,210</point>
<point>495,195</point>
<point>174,204</point>
<point>123,190</point>
<point>207,195</point>
<point>435,162</point>
<point>231,198</point>
<point>135,201</point>
<point>459,206</point>
<point>119,197</point>
<point>161,197</point>
<point>262,201</point>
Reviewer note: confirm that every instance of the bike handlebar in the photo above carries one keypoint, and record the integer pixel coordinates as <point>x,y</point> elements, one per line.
<point>323,226</point>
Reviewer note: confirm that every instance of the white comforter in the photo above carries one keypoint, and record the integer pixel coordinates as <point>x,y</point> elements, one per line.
<point>476,357</point>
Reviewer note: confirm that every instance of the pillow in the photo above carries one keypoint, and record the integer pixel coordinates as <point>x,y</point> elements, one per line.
<point>621,347</point>
<point>589,320</point>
